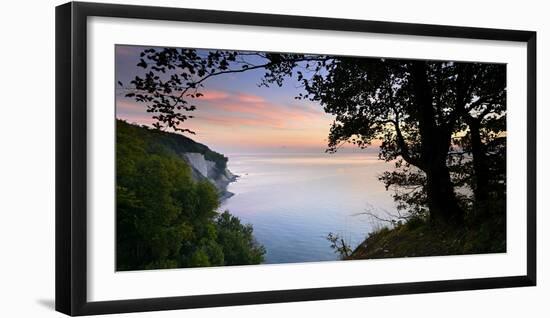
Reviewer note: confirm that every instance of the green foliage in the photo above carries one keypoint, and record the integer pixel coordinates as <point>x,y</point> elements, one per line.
<point>164,218</point>
<point>175,143</point>
<point>238,244</point>
<point>339,246</point>
<point>179,143</point>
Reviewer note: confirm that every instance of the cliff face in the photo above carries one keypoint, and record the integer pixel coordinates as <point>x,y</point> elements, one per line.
<point>206,169</point>
<point>205,163</point>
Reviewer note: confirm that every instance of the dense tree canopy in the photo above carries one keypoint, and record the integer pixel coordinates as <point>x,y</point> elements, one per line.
<point>443,123</point>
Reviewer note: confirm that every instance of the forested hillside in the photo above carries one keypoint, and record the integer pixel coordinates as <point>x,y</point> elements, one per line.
<point>165,218</point>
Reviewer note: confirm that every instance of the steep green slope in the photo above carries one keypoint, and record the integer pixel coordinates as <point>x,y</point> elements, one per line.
<point>175,143</point>
<point>165,217</point>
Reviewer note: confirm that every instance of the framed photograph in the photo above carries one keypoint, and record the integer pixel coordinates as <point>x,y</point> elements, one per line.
<point>210,158</point>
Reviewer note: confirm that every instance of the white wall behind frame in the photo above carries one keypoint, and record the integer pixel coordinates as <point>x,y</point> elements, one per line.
<point>27,161</point>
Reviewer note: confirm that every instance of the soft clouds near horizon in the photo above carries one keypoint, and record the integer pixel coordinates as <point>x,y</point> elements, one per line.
<point>234,114</point>
<point>238,121</point>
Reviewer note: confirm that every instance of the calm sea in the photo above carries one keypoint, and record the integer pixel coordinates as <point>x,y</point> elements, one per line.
<point>294,201</point>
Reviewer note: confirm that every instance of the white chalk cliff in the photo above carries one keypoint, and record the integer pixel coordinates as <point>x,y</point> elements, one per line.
<point>206,169</point>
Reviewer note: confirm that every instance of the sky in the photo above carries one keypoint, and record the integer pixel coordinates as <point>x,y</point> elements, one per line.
<point>235,115</point>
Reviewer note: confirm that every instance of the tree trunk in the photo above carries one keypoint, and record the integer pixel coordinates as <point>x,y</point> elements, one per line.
<point>480,184</point>
<point>442,200</point>
<point>435,143</point>
<point>479,158</point>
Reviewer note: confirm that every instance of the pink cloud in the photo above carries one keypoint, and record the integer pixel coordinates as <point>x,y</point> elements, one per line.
<point>224,117</point>
<point>247,98</point>
<point>242,109</point>
<point>211,95</point>
<point>242,122</point>
<point>258,115</point>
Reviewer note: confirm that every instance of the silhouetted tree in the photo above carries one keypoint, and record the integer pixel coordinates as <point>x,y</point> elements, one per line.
<point>481,102</point>
<point>428,115</point>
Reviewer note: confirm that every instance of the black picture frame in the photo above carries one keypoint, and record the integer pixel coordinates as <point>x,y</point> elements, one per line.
<point>71,157</point>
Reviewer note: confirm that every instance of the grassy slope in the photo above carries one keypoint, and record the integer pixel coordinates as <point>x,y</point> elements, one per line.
<point>419,238</point>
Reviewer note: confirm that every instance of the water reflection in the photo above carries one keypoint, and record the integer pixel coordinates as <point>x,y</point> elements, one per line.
<point>294,200</point>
